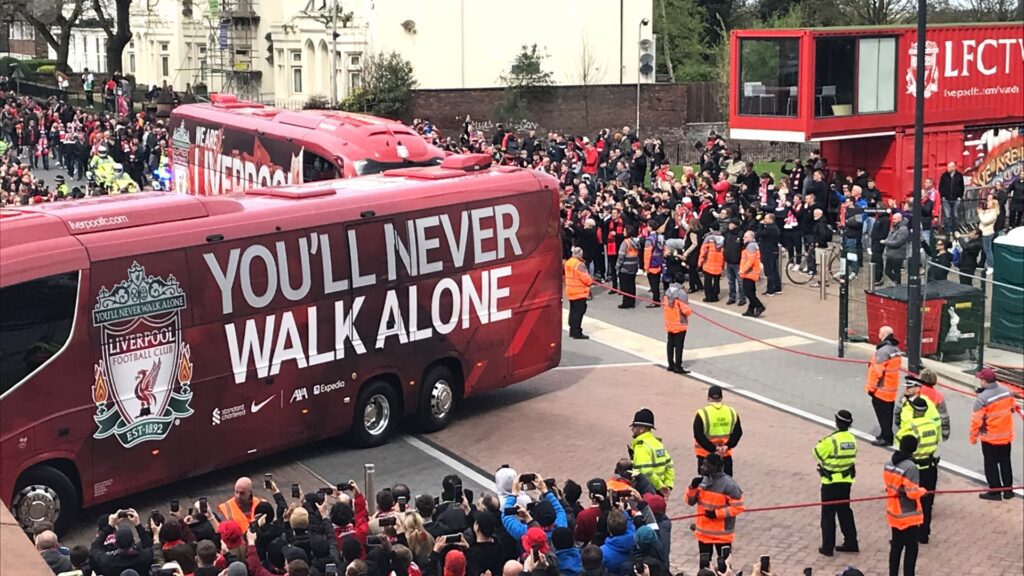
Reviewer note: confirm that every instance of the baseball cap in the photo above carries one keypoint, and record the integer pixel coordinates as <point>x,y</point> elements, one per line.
<point>986,375</point>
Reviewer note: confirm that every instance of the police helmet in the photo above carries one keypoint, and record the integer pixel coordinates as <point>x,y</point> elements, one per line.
<point>118,169</point>
<point>102,150</point>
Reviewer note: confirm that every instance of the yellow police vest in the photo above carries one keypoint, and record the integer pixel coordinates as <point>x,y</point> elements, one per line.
<point>652,459</point>
<point>836,454</point>
<point>927,431</point>
<point>907,411</point>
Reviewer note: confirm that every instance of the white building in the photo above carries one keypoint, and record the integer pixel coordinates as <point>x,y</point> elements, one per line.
<point>280,51</point>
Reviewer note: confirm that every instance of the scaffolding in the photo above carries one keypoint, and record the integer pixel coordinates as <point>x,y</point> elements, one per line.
<point>234,26</point>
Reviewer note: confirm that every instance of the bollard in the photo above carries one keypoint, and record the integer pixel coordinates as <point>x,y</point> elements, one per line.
<point>821,255</point>
<point>371,500</point>
<point>981,329</point>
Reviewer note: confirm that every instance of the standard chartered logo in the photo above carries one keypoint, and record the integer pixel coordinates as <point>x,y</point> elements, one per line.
<point>216,416</point>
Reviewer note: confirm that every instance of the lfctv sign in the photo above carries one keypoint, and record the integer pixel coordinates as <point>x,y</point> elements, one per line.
<point>988,57</point>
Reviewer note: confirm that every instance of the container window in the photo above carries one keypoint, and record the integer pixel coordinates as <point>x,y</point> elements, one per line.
<point>35,323</point>
<point>835,64</point>
<point>876,75</point>
<point>768,76</point>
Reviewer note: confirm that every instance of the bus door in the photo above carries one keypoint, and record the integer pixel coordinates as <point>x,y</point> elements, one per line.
<point>144,372</point>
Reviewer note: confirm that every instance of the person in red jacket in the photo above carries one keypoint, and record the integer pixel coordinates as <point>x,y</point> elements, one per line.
<point>590,158</point>
<point>350,518</point>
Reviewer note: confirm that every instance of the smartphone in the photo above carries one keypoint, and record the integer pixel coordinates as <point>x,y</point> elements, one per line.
<point>373,541</point>
<point>452,538</point>
<point>510,511</point>
<point>175,507</point>
<point>203,507</point>
<point>122,513</point>
<point>457,492</point>
<point>468,494</point>
<point>638,568</point>
<point>535,550</point>
<point>530,506</point>
<point>267,479</point>
<point>705,560</point>
<point>295,491</point>
<point>387,521</point>
<point>154,569</point>
<point>766,565</point>
<point>331,569</point>
<point>527,478</point>
<point>402,501</point>
<point>191,511</point>
<point>623,493</point>
<point>156,516</point>
<point>550,483</point>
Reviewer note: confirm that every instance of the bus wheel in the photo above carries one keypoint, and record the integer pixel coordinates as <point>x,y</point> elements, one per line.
<point>437,399</point>
<point>44,493</point>
<point>375,415</point>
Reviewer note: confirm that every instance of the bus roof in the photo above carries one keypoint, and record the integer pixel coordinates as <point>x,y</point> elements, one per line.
<point>45,239</point>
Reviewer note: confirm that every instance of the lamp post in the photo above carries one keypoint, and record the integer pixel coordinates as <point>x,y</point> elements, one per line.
<point>914,297</point>
<point>639,35</point>
<point>334,53</point>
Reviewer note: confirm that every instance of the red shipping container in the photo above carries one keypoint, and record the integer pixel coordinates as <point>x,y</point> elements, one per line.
<point>892,312</point>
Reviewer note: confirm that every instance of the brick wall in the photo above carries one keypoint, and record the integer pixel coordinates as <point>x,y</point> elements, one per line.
<point>666,110</point>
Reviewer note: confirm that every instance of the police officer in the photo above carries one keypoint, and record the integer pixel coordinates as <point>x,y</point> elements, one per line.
<point>101,166</point>
<point>62,187</point>
<point>925,427</point>
<point>716,429</point>
<point>649,455</point>
<point>122,182</point>
<point>836,455</point>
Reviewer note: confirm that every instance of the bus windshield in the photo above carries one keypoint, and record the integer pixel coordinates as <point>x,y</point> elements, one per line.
<point>368,166</point>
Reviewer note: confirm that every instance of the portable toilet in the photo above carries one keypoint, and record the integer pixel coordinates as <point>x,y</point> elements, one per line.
<point>1007,330</point>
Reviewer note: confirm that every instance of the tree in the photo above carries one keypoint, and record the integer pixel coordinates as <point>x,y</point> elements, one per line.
<point>388,81</point>
<point>44,16</point>
<point>589,73</point>
<point>119,32</point>
<point>687,49</point>
<point>878,12</point>
<point>526,79</point>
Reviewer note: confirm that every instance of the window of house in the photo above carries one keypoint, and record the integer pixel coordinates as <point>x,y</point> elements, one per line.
<point>35,323</point>
<point>876,75</point>
<point>164,46</point>
<point>355,80</point>
<point>131,63</point>
<point>297,80</point>
<point>202,69</point>
<point>768,76</point>
<point>296,55</point>
<point>165,65</point>
<point>355,60</point>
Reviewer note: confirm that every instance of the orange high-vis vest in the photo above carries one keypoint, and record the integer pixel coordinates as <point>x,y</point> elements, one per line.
<point>750,262</point>
<point>675,312</point>
<point>992,416</point>
<point>726,500</point>
<point>884,372</point>
<point>648,253</point>
<point>903,508</point>
<point>711,258</point>
<point>577,279</point>
<point>230,511</point>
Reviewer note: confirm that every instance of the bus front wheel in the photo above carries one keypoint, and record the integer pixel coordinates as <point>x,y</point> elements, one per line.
<point>437,399</point>
<point>375,415</point>
<point>45,494</point>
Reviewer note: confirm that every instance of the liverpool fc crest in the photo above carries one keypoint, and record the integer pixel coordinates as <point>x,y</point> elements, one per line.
<point>141,385</point>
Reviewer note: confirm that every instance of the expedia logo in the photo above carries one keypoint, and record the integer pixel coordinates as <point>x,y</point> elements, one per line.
<point>325,388</point>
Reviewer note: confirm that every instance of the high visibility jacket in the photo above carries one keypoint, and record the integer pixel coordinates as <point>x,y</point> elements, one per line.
<point>992,418</point>
<point>654,253</point>
<point>719,421</point>
<point>652,459</point>
<point>884,371</point>
<point>721,494</point>
<point>125,182</point>
<point>229,510</point>
<point>750,262</point>
<point>926,430</point>
<point>629,257</point>
<point>712,254</point>
<point>904,411</point>
<point>577,279</point>
<point>902,485</point>
<point>939,400</point>
<point>102,169</point>
<point>836,455</point>
<point>675,308</point>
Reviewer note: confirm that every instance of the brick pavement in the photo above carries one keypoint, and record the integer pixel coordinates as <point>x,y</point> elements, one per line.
<point>573,424</point>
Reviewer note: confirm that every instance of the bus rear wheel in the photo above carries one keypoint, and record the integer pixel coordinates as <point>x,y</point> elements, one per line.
<point>437,399</point>
<point>376,414</point>
<point>45,494</point>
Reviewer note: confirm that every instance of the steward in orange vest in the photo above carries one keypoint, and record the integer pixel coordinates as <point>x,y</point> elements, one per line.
<point>719,501</point>
<point>626,266</point>
<point>232,508</point>
<point>882,382</point>
<point>711,261</point>
<point>577,291</point>
<point>750,272</point>
<point>675,308</point>
<point>903,508</point>
<point>992,423</point>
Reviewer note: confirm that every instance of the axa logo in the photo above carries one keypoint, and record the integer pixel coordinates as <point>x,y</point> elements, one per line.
<point>299,395</point>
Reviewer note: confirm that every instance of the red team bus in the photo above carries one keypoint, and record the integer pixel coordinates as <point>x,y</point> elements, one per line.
<point>230,146</point>
<point>152,337</point>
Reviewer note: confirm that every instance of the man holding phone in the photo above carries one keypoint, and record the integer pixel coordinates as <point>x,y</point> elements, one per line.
<point>719,501</point>
<point>242,506</point>
<point>548,512</point>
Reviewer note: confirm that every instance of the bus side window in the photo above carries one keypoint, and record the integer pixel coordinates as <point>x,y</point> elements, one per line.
<point>316,168</point>
<point>35,323</point>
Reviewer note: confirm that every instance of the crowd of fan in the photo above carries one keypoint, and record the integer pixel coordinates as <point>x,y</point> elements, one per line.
<point>100,152</point>
<point>532,526</point>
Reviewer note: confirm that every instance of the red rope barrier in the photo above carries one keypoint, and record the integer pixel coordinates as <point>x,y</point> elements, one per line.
<point>782,348</point>
<point>852,501</point>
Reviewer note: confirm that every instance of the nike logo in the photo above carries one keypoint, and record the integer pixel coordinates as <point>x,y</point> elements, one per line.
<point>257,407</point>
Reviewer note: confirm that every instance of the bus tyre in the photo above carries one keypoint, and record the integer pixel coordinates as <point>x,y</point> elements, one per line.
<point>437,399</point>
<point>376,413</point>
<point>44,493</point>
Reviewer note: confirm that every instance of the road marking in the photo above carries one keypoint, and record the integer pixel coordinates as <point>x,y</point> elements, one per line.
<point>640,345</point>
<point>617,334</point>
<point>590,366</point>
<point>462,469</point>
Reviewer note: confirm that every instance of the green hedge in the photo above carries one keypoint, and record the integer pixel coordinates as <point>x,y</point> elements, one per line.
<point>46,69</point>
<point>35,64</point>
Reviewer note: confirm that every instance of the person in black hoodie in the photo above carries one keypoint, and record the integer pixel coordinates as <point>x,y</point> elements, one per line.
<point>484,552</point>
<point>853,230</point>
<point>879,232</point>
<point>126,553</point>
<point>970,252</point>
<point>593,561</point>
<point>733,249</point>
<point>509,546</point>
<point>768,236</point>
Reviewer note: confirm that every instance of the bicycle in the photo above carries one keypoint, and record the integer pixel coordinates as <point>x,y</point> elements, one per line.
<point>833,259</point>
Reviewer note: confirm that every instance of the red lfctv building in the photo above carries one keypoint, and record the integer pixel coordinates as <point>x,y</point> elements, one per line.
<point>852,92</point>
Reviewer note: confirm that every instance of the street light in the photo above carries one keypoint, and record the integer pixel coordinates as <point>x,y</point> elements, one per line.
<point>639,49</point>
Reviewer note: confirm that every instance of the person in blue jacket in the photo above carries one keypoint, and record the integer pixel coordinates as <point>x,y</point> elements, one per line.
<point>547,513</point>
<point>570,561</point>
<point>617,550</point>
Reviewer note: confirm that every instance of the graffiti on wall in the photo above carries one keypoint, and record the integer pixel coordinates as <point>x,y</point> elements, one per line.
<point>993,155</point>
<point>488,126</point>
